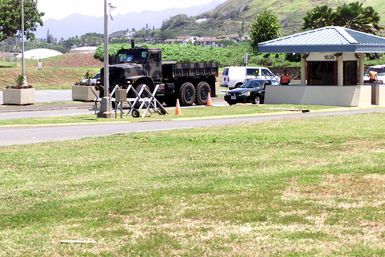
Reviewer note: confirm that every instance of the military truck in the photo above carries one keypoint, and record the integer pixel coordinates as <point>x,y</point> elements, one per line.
<point>190,82</point>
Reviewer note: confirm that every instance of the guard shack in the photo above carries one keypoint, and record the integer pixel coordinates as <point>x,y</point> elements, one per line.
<point>332,68</point>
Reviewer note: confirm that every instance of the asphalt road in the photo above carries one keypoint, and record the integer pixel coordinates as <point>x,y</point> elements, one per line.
<point>28,135</point>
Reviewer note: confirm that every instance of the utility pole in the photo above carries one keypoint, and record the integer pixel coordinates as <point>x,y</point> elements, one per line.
<point>106,105</point>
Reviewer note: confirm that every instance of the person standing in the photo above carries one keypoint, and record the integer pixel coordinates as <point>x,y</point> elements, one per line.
<point>373,77</point>
<point>285,78</point>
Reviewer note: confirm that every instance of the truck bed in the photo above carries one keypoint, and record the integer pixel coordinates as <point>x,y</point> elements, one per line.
<point>174,69</point>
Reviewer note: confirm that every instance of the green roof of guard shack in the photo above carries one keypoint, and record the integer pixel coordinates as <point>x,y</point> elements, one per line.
<point>327,39</point>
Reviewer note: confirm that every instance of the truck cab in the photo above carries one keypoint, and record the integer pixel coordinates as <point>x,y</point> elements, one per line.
<point>150,60</point>
<point>135,66</point>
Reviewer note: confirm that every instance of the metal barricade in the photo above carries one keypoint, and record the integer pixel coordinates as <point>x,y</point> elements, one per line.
<point>142,102</point>
<point>145,102</point>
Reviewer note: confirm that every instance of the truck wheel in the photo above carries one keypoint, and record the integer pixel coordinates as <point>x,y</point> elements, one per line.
<point>187,94</point>
<point>203,90</point>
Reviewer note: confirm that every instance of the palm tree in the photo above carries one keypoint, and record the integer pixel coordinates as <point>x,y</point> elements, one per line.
<point>352,15</point>
<point>319,17</point>
<point>355,16</point>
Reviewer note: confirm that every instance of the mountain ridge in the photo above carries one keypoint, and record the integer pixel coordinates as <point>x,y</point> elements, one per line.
<point>77,24</point>
<point>231,16</point>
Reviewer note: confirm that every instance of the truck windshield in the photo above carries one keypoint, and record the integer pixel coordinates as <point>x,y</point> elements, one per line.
<point>134,56</point>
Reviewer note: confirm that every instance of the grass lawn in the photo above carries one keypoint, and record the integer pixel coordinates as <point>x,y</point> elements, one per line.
<point>59,72</point>
<point>187,113</point>
<point>47,78</point>
<point>311,187</point>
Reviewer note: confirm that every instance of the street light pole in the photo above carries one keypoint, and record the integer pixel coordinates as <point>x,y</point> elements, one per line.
<point>22,45</point>
<point>106,55</point>
<point>105,105</point>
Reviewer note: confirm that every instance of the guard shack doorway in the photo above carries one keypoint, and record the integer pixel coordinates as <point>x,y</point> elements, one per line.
<point>350,73</point>
<point>322,73</point>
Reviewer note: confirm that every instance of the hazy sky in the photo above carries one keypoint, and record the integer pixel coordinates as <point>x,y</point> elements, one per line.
<point>58,9</point>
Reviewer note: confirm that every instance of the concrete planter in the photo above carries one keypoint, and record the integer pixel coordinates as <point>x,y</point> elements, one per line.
<point>84,93</point>
<point>19,96</point>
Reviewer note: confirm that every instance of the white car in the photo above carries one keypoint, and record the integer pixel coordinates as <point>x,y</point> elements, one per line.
<point>234,76</point>
<point>380,69</point>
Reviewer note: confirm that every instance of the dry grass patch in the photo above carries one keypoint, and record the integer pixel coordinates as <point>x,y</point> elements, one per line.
<point>342,191</point>
<point>348,207</point>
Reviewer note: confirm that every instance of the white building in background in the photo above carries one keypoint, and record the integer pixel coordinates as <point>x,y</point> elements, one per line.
<point>39,54</point>
<point>84,50</point>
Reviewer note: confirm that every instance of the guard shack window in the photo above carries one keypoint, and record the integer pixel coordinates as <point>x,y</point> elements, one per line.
<point>322,73</point>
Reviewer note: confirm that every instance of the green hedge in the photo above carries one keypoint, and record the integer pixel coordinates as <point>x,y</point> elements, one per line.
<point>224,56</point>
<point>232,55</point>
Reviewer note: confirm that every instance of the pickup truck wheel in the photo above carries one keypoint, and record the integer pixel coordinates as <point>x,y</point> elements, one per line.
<point>187,94</point>
<point>203,90</point>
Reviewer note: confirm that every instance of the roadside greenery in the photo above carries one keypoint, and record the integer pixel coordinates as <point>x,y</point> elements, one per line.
<point>350,15</point>
<point>10,17</point>
<point>47,78</point>
<point>285,188</point>
<point>224,56</point>
<point>187,113</point>
<point>266,26</point>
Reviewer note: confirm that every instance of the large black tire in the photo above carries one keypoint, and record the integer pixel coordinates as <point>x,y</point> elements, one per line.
<point>203,90</point>
<point>187,94</point>
<point>138,86</point>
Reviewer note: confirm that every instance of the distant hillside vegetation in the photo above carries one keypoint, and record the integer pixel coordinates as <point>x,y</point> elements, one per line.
<point>234,17</point>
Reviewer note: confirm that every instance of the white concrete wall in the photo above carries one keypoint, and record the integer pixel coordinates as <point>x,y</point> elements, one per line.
<point>319,95</point>
<point>378,95</point>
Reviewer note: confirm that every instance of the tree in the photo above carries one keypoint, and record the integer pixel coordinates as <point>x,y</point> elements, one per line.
<point>10,18</point>
<point>319,17</point>
<point>266,26</point>
<point>352,15</point>
<point>50,39</point>
<point>355,16</point>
